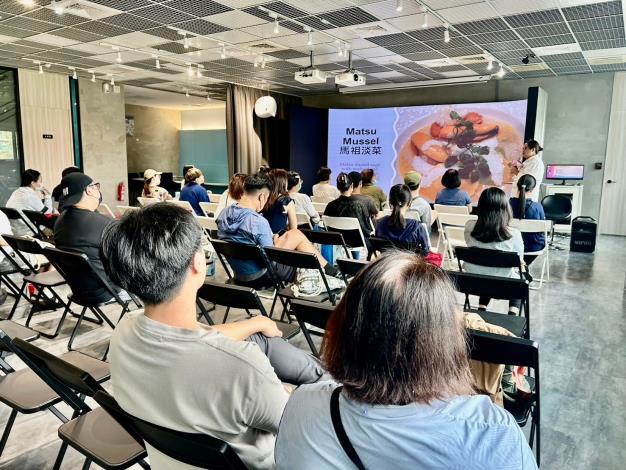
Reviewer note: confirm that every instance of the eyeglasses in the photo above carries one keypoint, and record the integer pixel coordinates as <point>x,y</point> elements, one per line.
<point>94,185</point>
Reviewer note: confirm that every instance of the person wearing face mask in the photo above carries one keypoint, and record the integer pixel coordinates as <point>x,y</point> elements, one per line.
<point>30,196</point>
<point>532,164</point>
<point>80,227</point>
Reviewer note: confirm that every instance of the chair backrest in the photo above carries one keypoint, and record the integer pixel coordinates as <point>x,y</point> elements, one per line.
<point>207,223</point>
<point>500,349</point>
<point>487,257</point>
<point>457,220</point>
<point>381,245</point>
<point>319,207</point>
<point>104,209</point>
<point>494,287</point>
<point>444,209</point>
<point>350,267</point>
<point>123,209</point>
<point>21,245</point>
<point>229,295</point>
<point>455,235</point>
<point>325,237</point>
<point>14,214</point>
<point>313,313</point>
<point>198,450</point>
<point>238,251</point>
<point>146,201</point>
<point>349,227</point>
<point>184,204</point>
<point>557,207</point>
<point>209,208</point>
<point>532,225</point>
<point>303,219</point>
<point>215,198</point>
<point>36,218</point>
<point>322,199</point>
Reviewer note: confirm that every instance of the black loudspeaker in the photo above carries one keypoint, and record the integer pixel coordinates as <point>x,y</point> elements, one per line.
<point>584,231</point>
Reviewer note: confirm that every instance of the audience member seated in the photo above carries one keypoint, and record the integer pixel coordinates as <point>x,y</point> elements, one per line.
<point>491,230</point>
<point>370,189</point>
<point>280,209</point>
<point>345,206</point>
<point>302,201</point>
<point>193,192</point>
<point>323,187</point>
<point>5,264</point>
<point>170,370</point>
<point>525,208</point>
<point>420,208</point>
<point>398,228</point>
<point>242,223</point>
<point>30,196</point>
<point>79,228</point>
<point>451,195</point>
<point>232,194</point>
<point>57,194</point>
<point>357,186</point>
<point>151,188</point>
<point>397,344</point>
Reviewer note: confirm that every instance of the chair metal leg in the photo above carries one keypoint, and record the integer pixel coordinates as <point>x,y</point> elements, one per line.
<point>86,464</point>
<point>99,313</point>
<point>226,314</point>
<point>143,464</point>
<point>204,312</point>
<point>75,330</point>
<point>20,294</point>
<point>60,455</point>
<point>7,430</point>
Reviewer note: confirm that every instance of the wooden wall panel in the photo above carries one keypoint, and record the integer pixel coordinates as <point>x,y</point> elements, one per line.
<point>45,109</point>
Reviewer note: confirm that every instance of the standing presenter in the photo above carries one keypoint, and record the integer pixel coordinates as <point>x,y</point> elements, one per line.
<point>532,164</point>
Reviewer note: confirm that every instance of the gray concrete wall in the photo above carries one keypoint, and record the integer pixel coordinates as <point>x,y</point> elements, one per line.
<point>103,134</point>
<point>577,119</point>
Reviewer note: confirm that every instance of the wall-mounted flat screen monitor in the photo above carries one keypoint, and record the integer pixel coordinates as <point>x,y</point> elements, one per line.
<point>565,172</point>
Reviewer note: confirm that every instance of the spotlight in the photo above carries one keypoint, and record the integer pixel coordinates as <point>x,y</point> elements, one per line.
<point>93,77</point>
<point>310,41</point>
<point>425,23</point>
<point>339,50</point>
<point>118,59</point>
<point>186,94</point>
<point>112,81</point>
<point>526,60</point>
<point>158,63</point>
<point>57,7</point>
<point>399,6</point>
<point>208,96</point>
<point>28,3</point>
<point>276,30</point>
<point>446,35</point>
<point>74,75</point>
<point>263,62</point>
<point>185,41</point>
<point>490,66</point>
<point>501,72</point>
<point>40,69</point>
<point>198,73</point>
<point>189,70</point>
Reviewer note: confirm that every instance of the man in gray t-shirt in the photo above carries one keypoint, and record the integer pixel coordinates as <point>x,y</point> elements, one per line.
<point>168,369</point>
<point>420,208</point>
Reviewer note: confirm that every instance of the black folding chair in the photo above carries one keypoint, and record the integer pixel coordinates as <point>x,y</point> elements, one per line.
<point>246,298</point>
<point>25,392</point>
<point>502,288</point>
<point>350,267</point>
<point>198,450</point>
<point>380,245</point>
<point>39,219</point>
<point>499,349</point>
<point>489,258</point>
<point>94,433</point>
<point>49,280</point>
<point>13,330</point>
<point>323,237</point>
<point>299,260</point>
<point>14,214</point>
<point>7,272</point>
<point>314,314</point>
<point>74,267</point>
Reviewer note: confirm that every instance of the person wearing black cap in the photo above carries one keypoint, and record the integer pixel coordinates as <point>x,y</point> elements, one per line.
<point>79,228</point>
<point>57,195</point>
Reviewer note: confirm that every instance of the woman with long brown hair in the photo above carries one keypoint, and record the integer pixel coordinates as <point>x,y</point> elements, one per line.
<point>233,194</point>
<point>280,209</point>
<point>397,344</point>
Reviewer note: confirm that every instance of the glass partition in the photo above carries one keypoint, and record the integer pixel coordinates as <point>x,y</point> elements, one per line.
<point>10,152</point>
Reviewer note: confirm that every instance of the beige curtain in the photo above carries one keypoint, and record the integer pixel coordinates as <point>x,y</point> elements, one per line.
<point>244,145</point>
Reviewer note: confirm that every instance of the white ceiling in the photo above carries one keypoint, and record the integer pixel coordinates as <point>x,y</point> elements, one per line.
<point>168,100</point>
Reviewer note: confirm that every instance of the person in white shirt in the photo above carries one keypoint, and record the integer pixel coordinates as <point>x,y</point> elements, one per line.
<point>303,201</point>
<point>532,164</point>
<point>30,196</point>
<point>323,187</point>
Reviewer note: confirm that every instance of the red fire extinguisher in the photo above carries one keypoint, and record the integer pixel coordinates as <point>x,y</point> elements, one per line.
<point>121,191</point>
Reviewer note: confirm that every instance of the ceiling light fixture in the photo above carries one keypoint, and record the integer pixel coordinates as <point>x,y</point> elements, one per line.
<point>185,41</point>
<point>198,72</point>
<point>28,3</point>
<point>189,70</point>
<point>501,72</point>
<point>223,54</point>
<point>74,75</point>
<point>276,30</point>
<point>118,59</point>
<point>263,62</point>
<point>112,81</point>
<point>48,66</point>
<point>339,50</point>
<point>93,77</point>
<point>208,96</point>
<point>490,65</point>
<point>40,69</point>
<point>526,60</point>
<point>57,7</point>
<point>425,22</point>
<point>186,94</point>
<point>399,6</point>
<point>158,62</point>
<point>310,41</point>
<point>446,35</point>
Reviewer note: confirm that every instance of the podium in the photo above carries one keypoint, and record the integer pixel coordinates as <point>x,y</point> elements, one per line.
<point>574,192</point>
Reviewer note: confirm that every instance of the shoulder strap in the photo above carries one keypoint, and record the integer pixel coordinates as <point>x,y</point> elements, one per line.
<point>335,415</point>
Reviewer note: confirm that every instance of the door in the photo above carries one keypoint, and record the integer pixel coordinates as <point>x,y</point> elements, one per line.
<point>612,211</point>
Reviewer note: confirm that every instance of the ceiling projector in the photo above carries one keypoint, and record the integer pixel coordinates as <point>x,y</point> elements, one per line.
<point>350,78</point>
<point>309,76</point>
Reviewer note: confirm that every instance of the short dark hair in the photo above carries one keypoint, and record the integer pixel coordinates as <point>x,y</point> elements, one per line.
<point>293,179</point>
<point>451,179</point>
<point>395,338</point>
<point>323,174</point>
<point>367,175</point>
<point>355,177</point>
<point>494,216</point>
<point>69,170</point>
<point>148,251</point>
<point>30,176</point>
<point>343,182</point>
<point>534,145</point>
<point>254,183</point>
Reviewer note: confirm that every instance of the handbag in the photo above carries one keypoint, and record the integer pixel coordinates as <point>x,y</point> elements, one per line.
<point>309,283</point>
<point>340,431</point>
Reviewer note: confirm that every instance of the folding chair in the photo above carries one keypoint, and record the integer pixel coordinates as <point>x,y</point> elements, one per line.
<point>298,260</point>
<point>214,198</point>
<point>74,267</point>
<point>184,204</point>
<point>13,330</point>
<point>303,220</point>
<point>350,267</point>
<point>537,226</point>
<point>38,220</point>
<point>25,392</point>
<point>14,214</point>
<point>445,209</point>
<point>245,298</point>
<point>350,228</point>
<point>209,226</point>
<point>209,209</point>
<point>457,235</point>
<point>321,199</point>
<point>146,201</point>
<point>489,258</point>
<point>499,349</point>
<point>92,432</point>
<point>502,288</point>
<point>314,314</point>
<point>198,450</point>
<point>104,209</point>
<point>49,280</point>
<point>324,237</point>
<point>320,207</point>
<point>7,273</point>
<point>123,209</point>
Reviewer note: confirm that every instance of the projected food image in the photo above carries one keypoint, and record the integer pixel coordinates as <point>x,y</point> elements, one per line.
<point>478,140</point>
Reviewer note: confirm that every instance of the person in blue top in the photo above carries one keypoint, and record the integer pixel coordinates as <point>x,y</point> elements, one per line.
<point>193,192</point>
<point>525,208</point>
<point>280,209</point>
<point>397,228</point>
<point>451,195</point>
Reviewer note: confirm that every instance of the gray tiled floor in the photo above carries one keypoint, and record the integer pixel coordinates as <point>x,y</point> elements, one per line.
<point>578,318</point>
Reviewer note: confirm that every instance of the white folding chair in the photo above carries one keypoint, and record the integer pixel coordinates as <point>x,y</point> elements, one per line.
<point>455,236</point>
<point>303,219</point>
<point>320,207</point>
<point>443,209</point>
<point>123,209</point>
<point>537,226</point>
<point>183,204</point>
<point>146,201</point>
<point>209,208</point>
<point>215,197</point>
<point>207,223</point>
<point>454,220</point>
<point>345,224</point>
<point>104,209</point>
<point>322,199</point>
